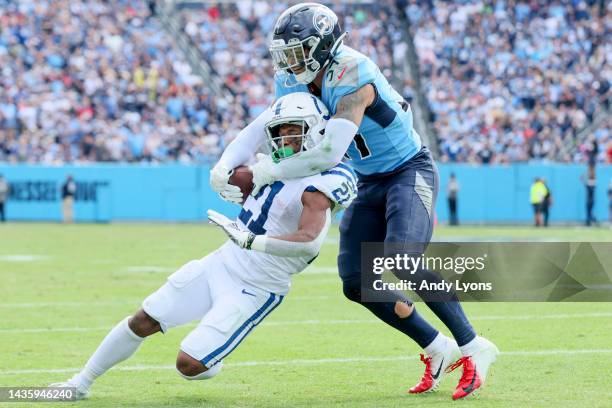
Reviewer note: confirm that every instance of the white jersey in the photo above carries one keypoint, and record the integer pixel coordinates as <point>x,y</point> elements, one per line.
<point>276,210</point>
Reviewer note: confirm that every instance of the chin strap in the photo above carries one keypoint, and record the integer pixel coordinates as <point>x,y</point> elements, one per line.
<point>335,47</point>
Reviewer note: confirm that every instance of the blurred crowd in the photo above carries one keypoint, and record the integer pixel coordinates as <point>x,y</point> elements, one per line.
<point>507,81</point>
<point>234,39</point>
<point>514,81</point>
<point>93,80</point>
<point>99,80</point>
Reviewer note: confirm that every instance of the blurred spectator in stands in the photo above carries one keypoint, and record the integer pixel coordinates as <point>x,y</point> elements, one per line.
<point>592,151</point>
<point>590,182</point>
<point>452,192</point>
<point>610,201</point>
<point>4,193</point>
<point>546,203</point>
<point>68,192</point>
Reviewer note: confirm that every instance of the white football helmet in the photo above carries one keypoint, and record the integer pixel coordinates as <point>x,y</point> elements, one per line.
<point>301,109</point>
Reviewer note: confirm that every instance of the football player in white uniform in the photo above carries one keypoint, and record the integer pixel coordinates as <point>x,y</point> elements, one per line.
<point>230,291</point>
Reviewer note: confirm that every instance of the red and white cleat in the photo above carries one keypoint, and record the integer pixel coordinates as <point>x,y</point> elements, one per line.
<point>475,368</point>
<point>435,368</point>
<point>470,380</point>
<point>427,382</point>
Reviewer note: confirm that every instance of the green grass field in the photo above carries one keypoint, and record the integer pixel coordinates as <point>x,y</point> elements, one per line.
<point>64,287</point>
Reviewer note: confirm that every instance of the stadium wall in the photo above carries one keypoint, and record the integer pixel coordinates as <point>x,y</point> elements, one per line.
<point>113,192</point>
<point>122,192</point>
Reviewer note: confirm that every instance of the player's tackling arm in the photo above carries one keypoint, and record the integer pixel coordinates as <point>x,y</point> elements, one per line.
<point>306,241</point>
<point>248,141</point>
<point>352,106</point>
<point>339,134</point>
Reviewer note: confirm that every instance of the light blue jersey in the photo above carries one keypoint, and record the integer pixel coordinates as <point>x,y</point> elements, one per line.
<point>385,139</point>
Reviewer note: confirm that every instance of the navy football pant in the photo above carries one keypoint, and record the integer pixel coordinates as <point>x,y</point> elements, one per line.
<point>397,208</point>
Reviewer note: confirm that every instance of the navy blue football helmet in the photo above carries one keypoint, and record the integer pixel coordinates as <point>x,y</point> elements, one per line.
<point>306,37</point>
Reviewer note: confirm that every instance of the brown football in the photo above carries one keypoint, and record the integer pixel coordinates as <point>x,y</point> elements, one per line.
<point>242,178</point>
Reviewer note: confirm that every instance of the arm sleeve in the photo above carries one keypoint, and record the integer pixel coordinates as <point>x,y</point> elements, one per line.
<point>339,134</point>
<point>350,75</point>
<point>280,247</point>
<point>248,141</point>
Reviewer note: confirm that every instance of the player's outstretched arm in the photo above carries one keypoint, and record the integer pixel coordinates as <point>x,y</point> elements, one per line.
<point>238,152</point>
<point>247,143</point>
<point>339,134</point>
<point>312,230</point>
<point>306,241</point>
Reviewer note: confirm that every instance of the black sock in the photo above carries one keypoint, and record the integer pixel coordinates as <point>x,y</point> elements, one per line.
<point>447,307</point>
<point>414,326</point>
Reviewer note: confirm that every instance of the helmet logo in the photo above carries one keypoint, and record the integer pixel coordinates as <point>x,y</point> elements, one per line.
<point>323,22</point>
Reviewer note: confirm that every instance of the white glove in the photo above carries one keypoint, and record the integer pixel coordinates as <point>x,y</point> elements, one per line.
<point>263,173</point>
<point>242,238</point>
<point>219,181</point>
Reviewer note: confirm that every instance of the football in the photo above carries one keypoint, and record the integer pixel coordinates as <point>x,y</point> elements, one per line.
<point>243,178</point>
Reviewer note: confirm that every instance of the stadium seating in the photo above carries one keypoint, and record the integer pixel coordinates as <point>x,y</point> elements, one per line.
<point>84,81</point>
<point>101,81</point>
<point>502,82</point>
<point>514,81</point>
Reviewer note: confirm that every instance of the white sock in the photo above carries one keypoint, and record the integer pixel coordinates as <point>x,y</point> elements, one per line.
<point>470,348</point>
<point>437,345</point>
<point>118,345</point>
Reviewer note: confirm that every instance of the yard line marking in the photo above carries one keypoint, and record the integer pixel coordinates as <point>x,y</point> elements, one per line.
<point>21,258</point>
<point>33,305</point>
<point>55,329</point>
<point>476,318</point>
<point>495,239</point>
<point>314,297</point>
<point>514,353</point>
<point>148,269</point>
<point>310,322</point>
<point>552,316</point>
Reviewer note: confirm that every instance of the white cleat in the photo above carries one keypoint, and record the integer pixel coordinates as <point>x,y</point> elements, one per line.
<point>81,392</point>
<point>485,356</point>
<point>475,368</point>
<point>435,367</point>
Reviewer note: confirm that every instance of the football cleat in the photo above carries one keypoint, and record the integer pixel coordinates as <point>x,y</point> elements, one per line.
<point>435,368</point>
<point>475,369</point>
<point>81,392</point>
<point>470,380</point>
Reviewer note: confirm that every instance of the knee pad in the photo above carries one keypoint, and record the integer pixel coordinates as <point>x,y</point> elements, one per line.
<point>210,373</point>
<point>352,290</point>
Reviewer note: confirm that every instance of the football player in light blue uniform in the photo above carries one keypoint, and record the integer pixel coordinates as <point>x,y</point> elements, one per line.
<point>370,127</point>
<point>385,139</point>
